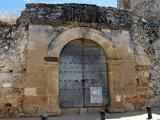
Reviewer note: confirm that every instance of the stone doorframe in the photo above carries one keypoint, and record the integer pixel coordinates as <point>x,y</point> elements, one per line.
<point>41,90</point>
<point>104,41</point>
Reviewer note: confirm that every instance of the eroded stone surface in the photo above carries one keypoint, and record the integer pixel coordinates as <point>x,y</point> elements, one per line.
<point>58,14</point>
<point>30,85</point>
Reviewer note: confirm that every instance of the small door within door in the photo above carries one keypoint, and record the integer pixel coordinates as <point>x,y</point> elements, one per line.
<point>83,75</point>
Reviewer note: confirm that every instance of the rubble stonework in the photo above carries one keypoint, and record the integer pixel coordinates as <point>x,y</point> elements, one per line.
<point>13,64</point>
<point>146,8</point>
<point>30,85</point>
<point>152,46</point>
<point>147,26</point>
<point>58,14</point>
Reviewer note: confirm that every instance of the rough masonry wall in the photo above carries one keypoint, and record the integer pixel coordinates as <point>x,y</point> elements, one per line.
<point>152,49</point>
<point>145,8</point>
<point>12,67</point>
<point>148,8</point>
<point>58,14</point>
<point>146,41</point>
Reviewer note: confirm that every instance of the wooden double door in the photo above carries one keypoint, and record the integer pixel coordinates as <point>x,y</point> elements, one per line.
<point>83,75</point>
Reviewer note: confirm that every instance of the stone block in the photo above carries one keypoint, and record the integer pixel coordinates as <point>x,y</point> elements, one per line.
<point>115,62</point>
<point>152,102</point>
<point>94,110</point>
<point>31,109</point>
<point>36,60</point>
<point>41,91</point>
<point>116,109</point>
<point>53,100</point>
<point>6,85</point>
<point>53,110</point>
<point>144,84</point>
<point>34,50</point>
<point>130,106</point>
<point>35,100</point>
<point>143,74</point>
<point>12,99</point>
<point>139,103</point>
<point>35,67</point>
<point>70,111</point>
<point>53,91</point>
<point>30,92</point>
<point>36,79</point>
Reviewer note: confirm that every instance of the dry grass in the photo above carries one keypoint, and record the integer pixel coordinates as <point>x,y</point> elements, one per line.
<point>6,18</point>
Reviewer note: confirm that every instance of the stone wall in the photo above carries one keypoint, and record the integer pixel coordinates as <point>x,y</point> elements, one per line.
<point>152,47</point>
<point>145,37</point>
<point>29,83</point>
<point>13,41</point>
<point>146,8</point>
<point>65,14</point>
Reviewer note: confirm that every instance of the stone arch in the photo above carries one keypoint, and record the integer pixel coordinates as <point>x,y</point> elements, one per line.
<point>113,58</point>
<point>96,36</point>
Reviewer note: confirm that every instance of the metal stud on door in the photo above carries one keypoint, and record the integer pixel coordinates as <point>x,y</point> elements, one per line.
<point>83,75</point>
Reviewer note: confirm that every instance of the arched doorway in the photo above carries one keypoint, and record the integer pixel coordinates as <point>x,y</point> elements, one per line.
<point>83,75</point>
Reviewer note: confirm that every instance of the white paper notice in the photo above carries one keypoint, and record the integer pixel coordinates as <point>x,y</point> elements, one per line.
<point>96,94</point>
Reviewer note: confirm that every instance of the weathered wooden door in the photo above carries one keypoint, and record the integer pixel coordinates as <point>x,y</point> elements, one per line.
<point>83,75</point>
